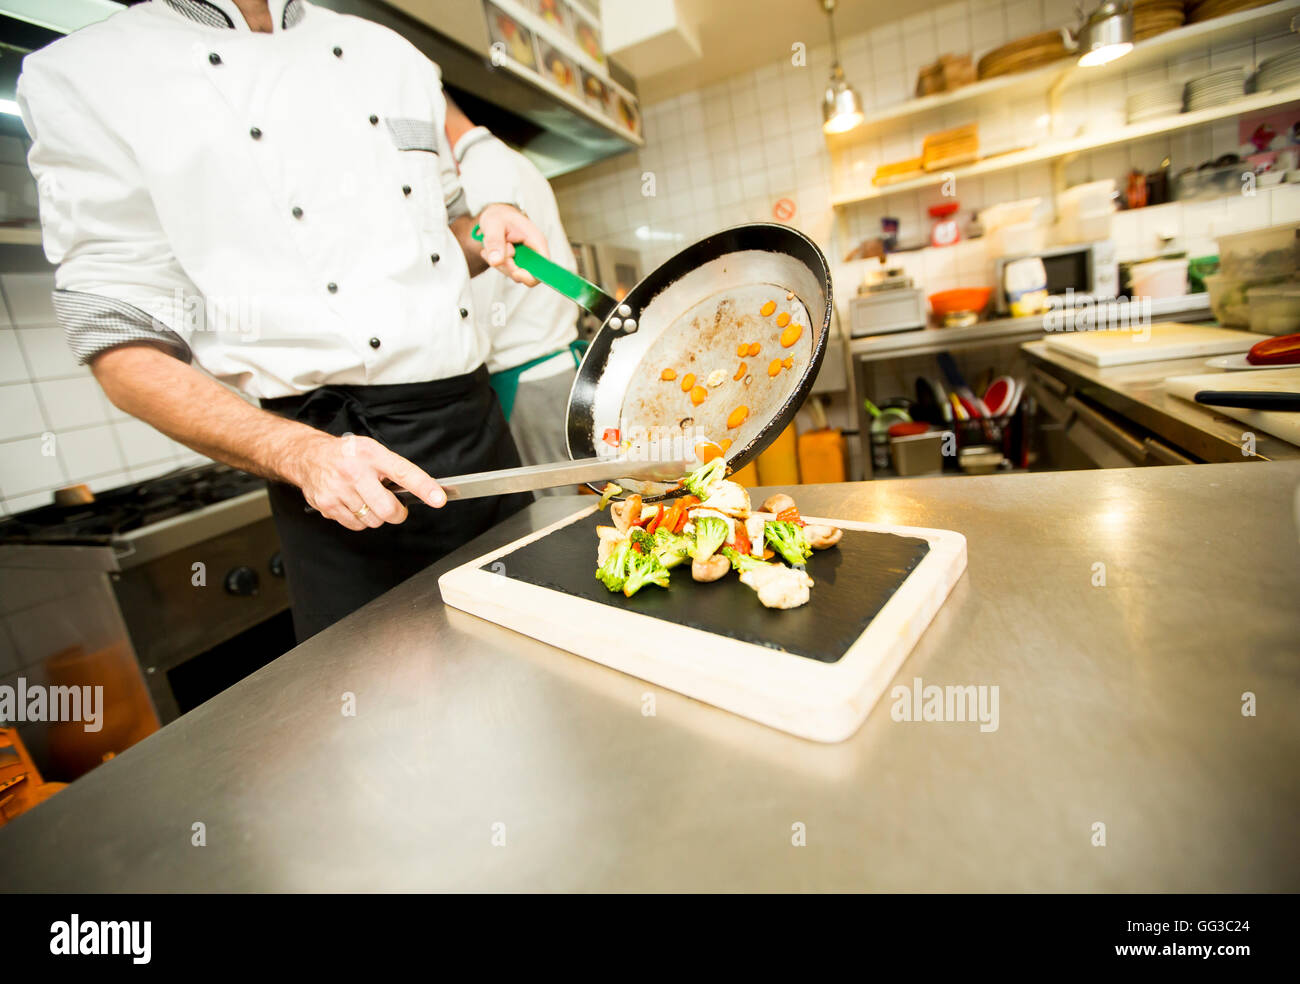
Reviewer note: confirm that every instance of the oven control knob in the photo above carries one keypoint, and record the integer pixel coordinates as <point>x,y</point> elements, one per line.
<point>242,581</point>
<point>276,564</point>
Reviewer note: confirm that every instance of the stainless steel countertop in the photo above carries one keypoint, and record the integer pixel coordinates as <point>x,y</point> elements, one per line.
<point>1137,392</point>
<point>1118,704</point>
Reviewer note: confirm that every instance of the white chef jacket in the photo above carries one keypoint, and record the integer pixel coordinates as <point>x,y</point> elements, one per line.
<point>275,205</point>
<point>522,323</point>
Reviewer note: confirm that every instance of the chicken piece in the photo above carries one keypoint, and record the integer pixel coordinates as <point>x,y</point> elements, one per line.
<point>778,586</point>
<point>711,568</point>
<point>729,499</point>
<point>754,530</point>
<point>777,503</point>
<point>606,548</point>
<point>822,537</point>
<point>626,513</point>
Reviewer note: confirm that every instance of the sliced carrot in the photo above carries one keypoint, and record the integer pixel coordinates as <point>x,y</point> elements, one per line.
<point>740,373</point>
<point>782,319</point>
<point>707,451</point>
<point>791,335</point>
<point>742,349</point>
<point>698,395</point>
<point>768,554</point>
<point>737,417</point>
<point>767,309</point>
<point>774,367</point>
<point>687,382</point>
<point>755,349</point>
<point>668,375</point>
<point>726,444</point>
<point>788,362</point>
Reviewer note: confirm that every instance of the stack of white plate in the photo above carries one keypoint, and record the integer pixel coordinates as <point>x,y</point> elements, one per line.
<point>1280,72</point>
<point>1165,99</point>
<point>1216,89</point>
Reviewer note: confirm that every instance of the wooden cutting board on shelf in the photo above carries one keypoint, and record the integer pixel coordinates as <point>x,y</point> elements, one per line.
<point>814,671</point>
<point>1169,340</point>
<point>1279,423</point>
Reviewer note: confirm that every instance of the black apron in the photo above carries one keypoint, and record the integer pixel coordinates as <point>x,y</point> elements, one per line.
<point>447,427</point>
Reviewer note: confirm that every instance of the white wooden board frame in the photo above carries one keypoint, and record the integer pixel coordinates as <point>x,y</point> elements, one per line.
<point>823,701</point>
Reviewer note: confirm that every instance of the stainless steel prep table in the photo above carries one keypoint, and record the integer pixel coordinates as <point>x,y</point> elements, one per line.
<point>1118,704</point>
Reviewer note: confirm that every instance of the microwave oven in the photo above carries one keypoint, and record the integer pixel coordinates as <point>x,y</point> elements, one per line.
<point>1084,271</point>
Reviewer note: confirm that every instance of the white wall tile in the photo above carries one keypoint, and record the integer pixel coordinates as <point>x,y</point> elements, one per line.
<point>141,443</point>
<point>13,368</point>
<point>48,355</point>
<point>89,453</point>
<point>20,412</point>
<point>28,297</point>
<point>73,402</point>
<point>24,468</point>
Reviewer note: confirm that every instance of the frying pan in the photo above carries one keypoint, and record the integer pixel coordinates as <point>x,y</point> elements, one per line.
<point>691,316</point>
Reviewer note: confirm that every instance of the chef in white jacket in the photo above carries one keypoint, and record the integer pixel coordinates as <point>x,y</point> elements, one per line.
<point>263,190</point>
<point>533,333</point>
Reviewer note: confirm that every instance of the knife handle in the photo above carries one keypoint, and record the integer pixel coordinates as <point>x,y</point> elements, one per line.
<point>1249,400</point>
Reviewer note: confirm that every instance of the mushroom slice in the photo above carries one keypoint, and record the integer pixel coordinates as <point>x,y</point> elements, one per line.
<point>626,513</point>
<point>777,503</point>
<point>821,537</point>
<point>711,569</point>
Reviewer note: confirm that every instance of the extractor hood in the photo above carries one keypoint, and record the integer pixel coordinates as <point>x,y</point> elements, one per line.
<point>558,136</point>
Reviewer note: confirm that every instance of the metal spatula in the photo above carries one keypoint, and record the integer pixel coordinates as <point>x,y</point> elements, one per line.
<point>532,477</point>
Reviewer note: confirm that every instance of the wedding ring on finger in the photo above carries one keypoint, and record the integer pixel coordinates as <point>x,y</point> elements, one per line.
<point>362,512</point>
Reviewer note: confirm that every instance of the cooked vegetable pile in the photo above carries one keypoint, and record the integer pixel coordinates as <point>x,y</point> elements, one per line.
<point>713,527</point>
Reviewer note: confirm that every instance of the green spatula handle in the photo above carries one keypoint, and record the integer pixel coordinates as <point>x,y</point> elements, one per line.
<point>566,282</point>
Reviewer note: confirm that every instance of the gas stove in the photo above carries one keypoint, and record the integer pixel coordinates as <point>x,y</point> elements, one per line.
<point>129,508</point>
<point>184,570</point>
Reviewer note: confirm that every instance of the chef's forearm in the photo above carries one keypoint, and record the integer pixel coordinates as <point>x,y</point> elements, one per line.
<point>461,226</point>
<point>200,413</point>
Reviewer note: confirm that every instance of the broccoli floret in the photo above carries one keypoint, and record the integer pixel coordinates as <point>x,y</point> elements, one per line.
<point>644,569</point>
<point>613,573</point>
<point>641,541</point>
<point>788,540</point>
<point>699,481</point>
<point>742,562</point>
<point>710,534</point>
<point>671,548</point>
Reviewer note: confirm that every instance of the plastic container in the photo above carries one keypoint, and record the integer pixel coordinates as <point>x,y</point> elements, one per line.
<point>1262,255</point>
<point>1274,310</point>
<point>1228,301</point>
<point>1091,198</point>
<point>1160,278</point>
<point>917,454</point>
<point>1017,239</point>
<point>1085,211</point>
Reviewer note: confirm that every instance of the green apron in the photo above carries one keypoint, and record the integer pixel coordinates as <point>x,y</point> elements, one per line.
<point>506,382</point>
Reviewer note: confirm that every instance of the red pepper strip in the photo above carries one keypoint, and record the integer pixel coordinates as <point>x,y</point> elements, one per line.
<point>658,519</point>
<point>611,436</point>
<point>790,515</point>
<point>742,545</point>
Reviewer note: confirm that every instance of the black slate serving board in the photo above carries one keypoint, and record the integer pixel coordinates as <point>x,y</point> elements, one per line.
<point>854,580</point>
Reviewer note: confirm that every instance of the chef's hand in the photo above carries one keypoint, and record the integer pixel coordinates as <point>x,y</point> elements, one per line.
<point>503,226</point>
<point>342,478</point>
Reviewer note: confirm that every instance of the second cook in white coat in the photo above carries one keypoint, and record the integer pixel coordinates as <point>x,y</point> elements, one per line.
<point>533,357</point>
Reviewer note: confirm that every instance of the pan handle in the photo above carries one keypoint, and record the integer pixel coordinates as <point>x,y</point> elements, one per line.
<point>566,282</point>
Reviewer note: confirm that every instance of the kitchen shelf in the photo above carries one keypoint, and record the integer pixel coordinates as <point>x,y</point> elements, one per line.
<point>1054,149</point>
<point>1260,21</point>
